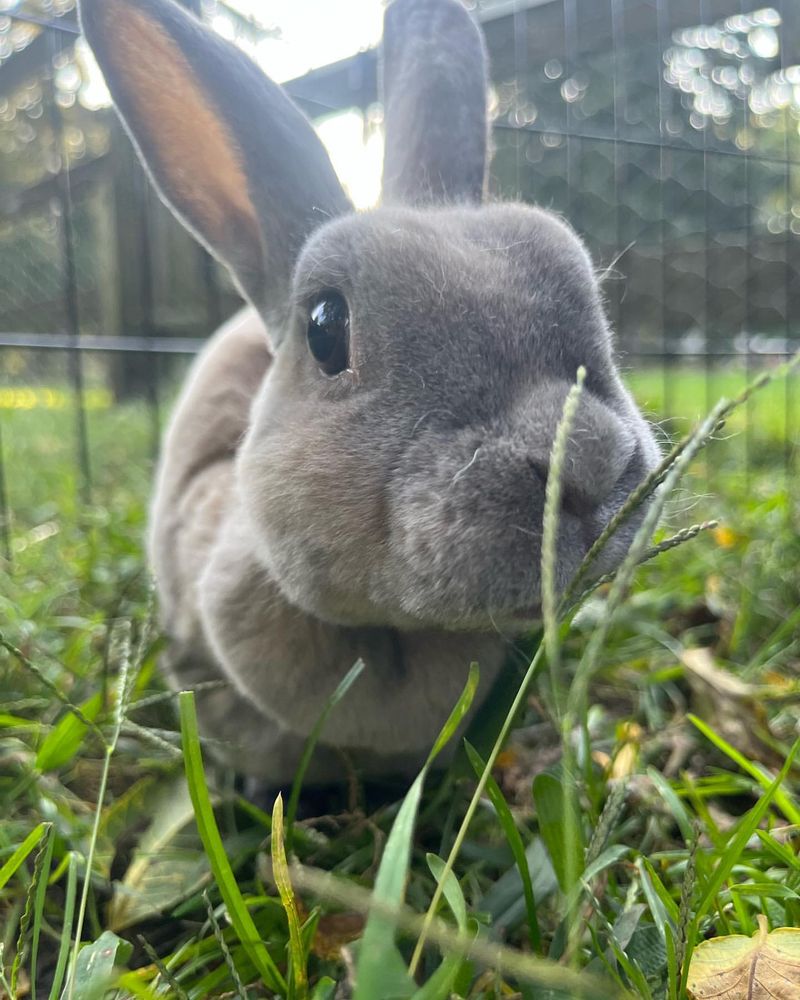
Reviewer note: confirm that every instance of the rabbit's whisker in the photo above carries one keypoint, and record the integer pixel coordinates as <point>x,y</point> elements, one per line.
<point>469,464</point>
<point>495,626</point>
<point>526,531</point>
<point>507,246</point>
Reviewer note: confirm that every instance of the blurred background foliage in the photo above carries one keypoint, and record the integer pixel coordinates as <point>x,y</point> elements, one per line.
<point>666,131</point>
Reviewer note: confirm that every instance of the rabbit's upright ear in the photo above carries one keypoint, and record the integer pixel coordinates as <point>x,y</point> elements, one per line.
<point>434,93</point>
<point>228,150</point>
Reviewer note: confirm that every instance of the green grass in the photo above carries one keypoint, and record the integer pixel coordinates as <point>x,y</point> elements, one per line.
<point>586,873</point>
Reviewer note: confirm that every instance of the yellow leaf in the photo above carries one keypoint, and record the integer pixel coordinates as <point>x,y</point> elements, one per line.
<point>763,967</point>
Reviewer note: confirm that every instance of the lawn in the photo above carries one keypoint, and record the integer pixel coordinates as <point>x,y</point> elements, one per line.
<point>622,825</point>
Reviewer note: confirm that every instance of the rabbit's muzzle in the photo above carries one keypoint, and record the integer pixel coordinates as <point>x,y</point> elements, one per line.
<point>467,522</point>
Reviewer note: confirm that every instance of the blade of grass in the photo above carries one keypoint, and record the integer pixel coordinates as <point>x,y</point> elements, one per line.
<point>38,905</point>
<point>124,682</point>
<point>676,807</point>
<point>657,886</point>
<point>514,839</point>
<point>656,896</point>
<point>280,871</point>
<point>556,810</point>
<point>378,950</point>
<point>39,878</point>
<point>782,800</point>
<point>68,735</point>
<point>440,984</point>
<point>22,852</point>
<point>452,890</point>
<point>343,687</point>
<point>66,929</point>
<point>212,842</point>
<point>533,669</point>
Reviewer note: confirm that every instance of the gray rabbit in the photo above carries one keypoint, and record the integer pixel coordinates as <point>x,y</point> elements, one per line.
<point>356,466</point>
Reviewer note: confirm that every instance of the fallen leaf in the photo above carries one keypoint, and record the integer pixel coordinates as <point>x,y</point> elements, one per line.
<point>334,931</point>
<point>763,967</point>
<point>729,705</point>
<point>168,864</point>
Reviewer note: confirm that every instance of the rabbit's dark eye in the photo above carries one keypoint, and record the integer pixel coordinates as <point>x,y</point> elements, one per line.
<point>329,333</point>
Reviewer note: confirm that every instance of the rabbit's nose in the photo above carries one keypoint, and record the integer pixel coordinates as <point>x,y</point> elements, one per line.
<point>598,453</point>
<point>575,499</point>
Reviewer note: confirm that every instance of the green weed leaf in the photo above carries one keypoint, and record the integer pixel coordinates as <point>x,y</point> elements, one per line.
<point>514,839</point>
<point>96,963</point>
<point>66,738</point>
<point>553,798</point>
<point>220,866</point>
<point>280,871</point>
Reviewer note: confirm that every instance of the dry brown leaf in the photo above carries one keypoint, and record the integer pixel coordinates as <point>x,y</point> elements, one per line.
<point>334,931</point>
<point>763,967</point>
<point>730,706</point>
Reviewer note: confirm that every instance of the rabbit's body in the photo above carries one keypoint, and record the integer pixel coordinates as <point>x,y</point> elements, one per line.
<point>228,621</point>
<point>358,471</point>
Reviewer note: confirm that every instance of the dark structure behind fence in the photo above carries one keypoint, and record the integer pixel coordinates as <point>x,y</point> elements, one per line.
<point>666,131</point>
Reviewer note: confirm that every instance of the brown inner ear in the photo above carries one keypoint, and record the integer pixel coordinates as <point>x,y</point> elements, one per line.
<point>197,162</point>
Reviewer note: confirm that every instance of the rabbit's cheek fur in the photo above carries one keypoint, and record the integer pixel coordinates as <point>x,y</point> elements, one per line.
<point>317,509</point>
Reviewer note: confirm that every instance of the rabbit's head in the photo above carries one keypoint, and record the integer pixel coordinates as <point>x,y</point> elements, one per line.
<point>395,467</point>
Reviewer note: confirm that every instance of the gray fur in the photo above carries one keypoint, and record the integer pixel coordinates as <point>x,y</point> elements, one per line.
<point>393,512</point>
<point>434,92</point>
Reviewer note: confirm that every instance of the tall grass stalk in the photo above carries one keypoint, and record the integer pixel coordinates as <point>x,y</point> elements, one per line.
<point>578,693</point>
<point>550,614</point>
<point>679,538</point>
<point>222,944</point>
<point>659,475</point>
<point>550,525</point>
<point>125,681</point>
<point>667,474</point>
<point>533,669</point>
<point>549,544</point>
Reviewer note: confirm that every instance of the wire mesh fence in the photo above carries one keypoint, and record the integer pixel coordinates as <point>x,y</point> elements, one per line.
<point>666,131</point>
